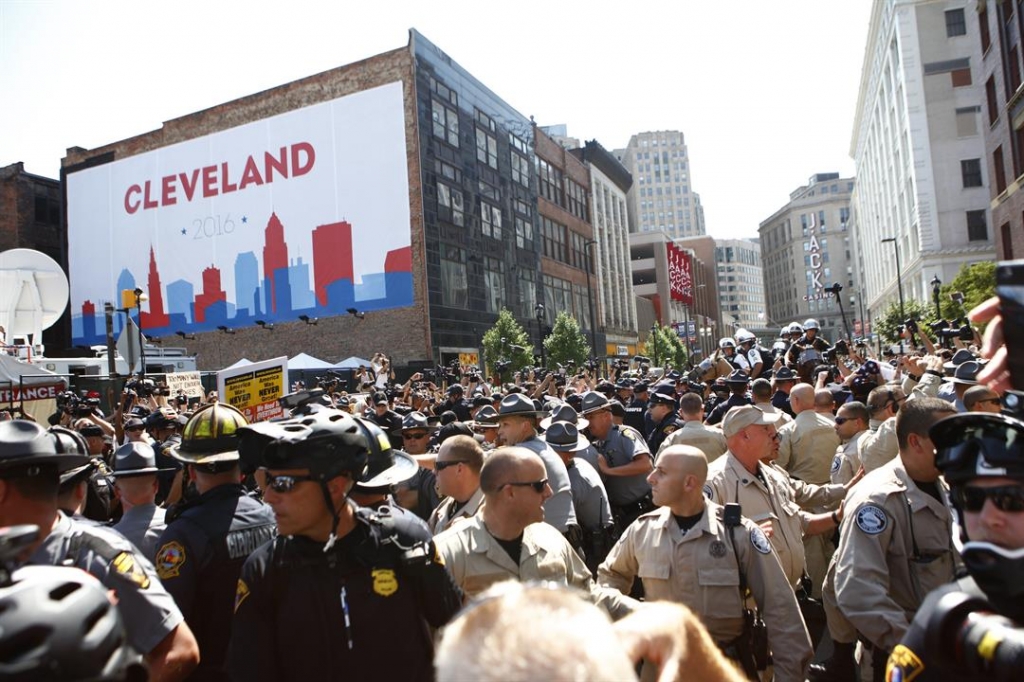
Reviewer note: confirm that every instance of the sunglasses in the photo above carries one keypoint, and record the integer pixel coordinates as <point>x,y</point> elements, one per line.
<point>843,420</point>
<point>441,466</point>
<point>1007,498</point>
<point>997,401</point>
<point>538,486</point>
<point>414,436</point>
<point>279,484</point>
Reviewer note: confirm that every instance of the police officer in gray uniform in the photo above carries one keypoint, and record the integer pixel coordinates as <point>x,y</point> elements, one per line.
<point>623,460</point>
<point>29,476</point>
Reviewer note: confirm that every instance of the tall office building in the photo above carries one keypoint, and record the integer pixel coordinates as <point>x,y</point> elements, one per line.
<point>662,196</point>
<point>918,144</point>
<point>741,283</point>
<point>805,249</point>
<point>1000,30</point>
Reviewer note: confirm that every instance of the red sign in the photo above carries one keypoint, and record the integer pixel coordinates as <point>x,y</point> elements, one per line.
<point>679,274</point>
<point>19,393</point>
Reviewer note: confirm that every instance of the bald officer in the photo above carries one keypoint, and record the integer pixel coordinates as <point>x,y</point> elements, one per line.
<point>708,439</point>
<point>684,552</point>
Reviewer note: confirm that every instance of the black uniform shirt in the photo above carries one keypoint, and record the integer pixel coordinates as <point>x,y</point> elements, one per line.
<point>359,611</point>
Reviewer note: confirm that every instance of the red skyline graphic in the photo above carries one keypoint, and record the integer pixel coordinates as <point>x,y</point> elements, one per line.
<point>212,293</point>
<point>332,256</point>
<point>275,256</point>
<point>156,317</point>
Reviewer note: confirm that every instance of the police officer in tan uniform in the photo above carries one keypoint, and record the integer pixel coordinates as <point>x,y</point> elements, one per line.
<point>851,426</point>
<point>684,552</point>
<point>879,445</point>
<point>458,466</point>
<point>766,495</point>
<point>708,439</point>
<point>896,543</point>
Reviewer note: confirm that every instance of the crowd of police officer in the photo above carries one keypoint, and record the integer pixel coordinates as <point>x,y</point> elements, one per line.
<point>791,498</point>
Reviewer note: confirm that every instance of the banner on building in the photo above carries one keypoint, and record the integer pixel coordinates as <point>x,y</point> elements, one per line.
<point>680,274</point>
<point>255,389</point>
<point>306,212</point>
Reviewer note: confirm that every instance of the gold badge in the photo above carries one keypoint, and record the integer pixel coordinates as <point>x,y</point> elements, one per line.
<point>908,663</point>
<point>438,558</point>
<point>169,560</point>
<point>125,564</point>
<point>384,581</point>
<point>669,429</point>
<point>241,592</point>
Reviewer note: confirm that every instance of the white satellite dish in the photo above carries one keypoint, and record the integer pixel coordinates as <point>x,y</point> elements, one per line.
<point>33,294</point>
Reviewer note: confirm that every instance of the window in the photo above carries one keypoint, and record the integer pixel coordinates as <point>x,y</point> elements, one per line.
<point>1008,241</point>
<point>961,77</point>
<point>520,169</point>
<point>449,204</point>
<point>993,104</point>
<point>527,280</point>
<point>1000,169</point>
<point>956,24</point>
<point>986,39</point>
<point>551,186</point>
<point>490,220</point>
<point>486,148</point>
<point>524,232</point>
<point>552,236</point>
<point>446,123</point>
<point>844,217</point>
<point>977,229</point>
<point>494,284</point>
<point>1014,69</point>
<point>970,169</point>
<point>577,199</point>
<point>454,292</point>
<point>967,121</point>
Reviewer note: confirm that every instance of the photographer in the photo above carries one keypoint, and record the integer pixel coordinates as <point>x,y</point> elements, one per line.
<point>955,634</point>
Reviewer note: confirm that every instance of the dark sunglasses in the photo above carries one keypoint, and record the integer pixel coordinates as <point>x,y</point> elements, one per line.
<point>414,436</point>
<point>441,466</point>
<point>1000,445</point>
<point>1007,498</point>
<point>536,485</point>
<point>279,484</point>
<point>843,420</point>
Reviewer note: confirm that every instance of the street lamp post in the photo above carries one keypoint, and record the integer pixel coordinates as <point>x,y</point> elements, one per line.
<point>539,311</point>
<point>936,289</point>
<point>142,350</point>
<point>899,282</point>
<point>654,342</point>
<point>590,302</point>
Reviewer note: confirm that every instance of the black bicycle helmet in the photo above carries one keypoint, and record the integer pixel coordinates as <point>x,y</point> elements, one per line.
<point>58,623</point>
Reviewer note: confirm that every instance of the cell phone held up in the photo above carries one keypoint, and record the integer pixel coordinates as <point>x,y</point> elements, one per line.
<point>1010,289</point>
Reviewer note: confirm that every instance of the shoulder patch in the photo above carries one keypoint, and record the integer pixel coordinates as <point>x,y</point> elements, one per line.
<point>709,492</point>
<point>837,461</point>
<point>169,560</point>
<point>241,592</point>
<point>871,519</point>
<point>626,433</point>
<point>904,665</point>
<point>760,541</point>
<point>126,565</point>
<point>669,429</point>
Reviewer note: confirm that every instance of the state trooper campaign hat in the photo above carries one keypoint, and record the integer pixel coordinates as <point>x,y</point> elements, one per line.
<point>785,374</point>
<point>738,376</point>
<point>565,413</point>
<point>26,446</point>
<point>414,421</point>
<point>966,373</point>
<point>565,437</point>
<point>739,418</point>
<point>592,402</point>
<point>135,459</point>
<point>486,418</point>
<point>518,405</point>
<point>664,394</point>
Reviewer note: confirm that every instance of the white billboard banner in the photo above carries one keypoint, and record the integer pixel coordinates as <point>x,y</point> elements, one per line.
<point>306,212</point>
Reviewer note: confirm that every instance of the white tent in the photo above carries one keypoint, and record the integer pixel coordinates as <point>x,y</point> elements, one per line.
<point>30,387</point>
<point>241,363</point>
<point>303,361</point>
<point>352,363</point>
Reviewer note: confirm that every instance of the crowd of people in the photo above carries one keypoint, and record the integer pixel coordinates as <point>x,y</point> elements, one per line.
<point>722,521</point>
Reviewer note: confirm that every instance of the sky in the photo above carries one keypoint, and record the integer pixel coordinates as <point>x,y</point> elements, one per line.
<point>764,92</point>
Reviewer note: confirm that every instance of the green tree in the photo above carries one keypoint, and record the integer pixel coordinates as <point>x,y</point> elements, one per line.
<point>977,283</point>
<point>665,348</point>
<point>507,341</point>
<point>566,342</point>
<point>887,324</point>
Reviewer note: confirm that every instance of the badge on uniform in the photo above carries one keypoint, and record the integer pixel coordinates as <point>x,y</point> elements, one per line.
<point>717,549</point>
<point>872,520</point>
<point>241,592</point>
<point>384,581</point>
<point>669,429</point>
<point>125,564</point>
<point>169,560</point>
<point>709,492</point>
<point>760,541</point>
<point>904,665</point>
<point>626,433</point>
<point>837,461</point>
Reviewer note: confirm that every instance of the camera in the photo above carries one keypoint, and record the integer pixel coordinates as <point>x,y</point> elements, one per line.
<point>911,324</point>
<point>641,359</point>
<point>502,366</point>
<point>834,289</point>
<point>144,388</point>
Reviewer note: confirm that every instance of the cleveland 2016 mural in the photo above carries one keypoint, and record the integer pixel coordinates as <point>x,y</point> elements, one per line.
<point>304,213</point>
